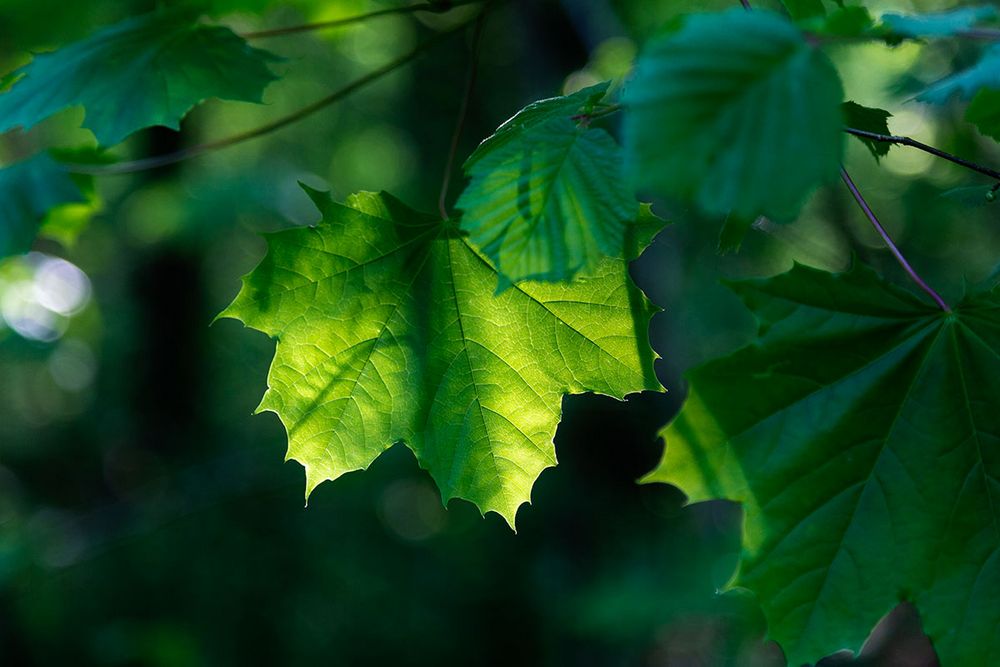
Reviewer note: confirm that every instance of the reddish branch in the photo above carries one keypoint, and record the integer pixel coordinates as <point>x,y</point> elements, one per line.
<point>889,242</point>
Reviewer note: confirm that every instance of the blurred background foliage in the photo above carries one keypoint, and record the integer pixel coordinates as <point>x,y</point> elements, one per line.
<point>146,517</point>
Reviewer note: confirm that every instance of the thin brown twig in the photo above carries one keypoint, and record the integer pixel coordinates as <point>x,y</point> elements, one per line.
<point>919,145</point>
<point>439,7</point>
<point>889,242</point>
<point>463,112</point>
<point>158,161</point>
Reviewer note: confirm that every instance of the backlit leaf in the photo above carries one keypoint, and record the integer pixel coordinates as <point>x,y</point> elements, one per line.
<point>550,201</point>
<point>389,331</point>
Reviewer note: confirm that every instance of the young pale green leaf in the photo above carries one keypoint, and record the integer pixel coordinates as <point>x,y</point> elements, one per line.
<point>29,191</point>
<point>939,24</point>
<point>550,202</point>
<point>748,126</point>
<point>388,330</point>
<point>869,120</point>
<point>862,435</point>
<point>146,71</point>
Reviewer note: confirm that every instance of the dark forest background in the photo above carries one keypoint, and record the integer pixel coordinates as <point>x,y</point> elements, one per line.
<point>146,518</point>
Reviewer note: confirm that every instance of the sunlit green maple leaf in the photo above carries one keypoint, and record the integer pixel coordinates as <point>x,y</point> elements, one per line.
<point>748,126</point>
<point>862,434</point>
<point>389,331</point>
<point>547,196</point>
<point>29,191</point>
<point>149,70</point>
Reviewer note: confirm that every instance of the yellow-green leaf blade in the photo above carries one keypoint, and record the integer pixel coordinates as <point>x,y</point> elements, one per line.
<point>389,330</point>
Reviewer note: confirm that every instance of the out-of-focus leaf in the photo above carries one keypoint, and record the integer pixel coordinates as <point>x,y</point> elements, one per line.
<point>971,195</point>
<point>29,191</point>
<point>145,71</point>
<point>981,84</point>
<point>965,84</point>
<point>747,126</point>
<point>734,230</point>
<point>851,21</point>
<point>984,111</point>
<point>939,24</point>
<point>862,435</point>
<point>804,9</point>
<point>389,331</point>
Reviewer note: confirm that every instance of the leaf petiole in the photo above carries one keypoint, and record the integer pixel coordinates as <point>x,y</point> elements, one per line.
<point>890,243</point>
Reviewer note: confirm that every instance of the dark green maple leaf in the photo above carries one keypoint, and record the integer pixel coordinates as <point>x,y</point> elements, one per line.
<point>862,434</point>
<point>150,70</point>
<point>389,331</point>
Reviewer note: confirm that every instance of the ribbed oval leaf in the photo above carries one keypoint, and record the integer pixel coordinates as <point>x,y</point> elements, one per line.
<point>737,112</point>
<point>549,203</point>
